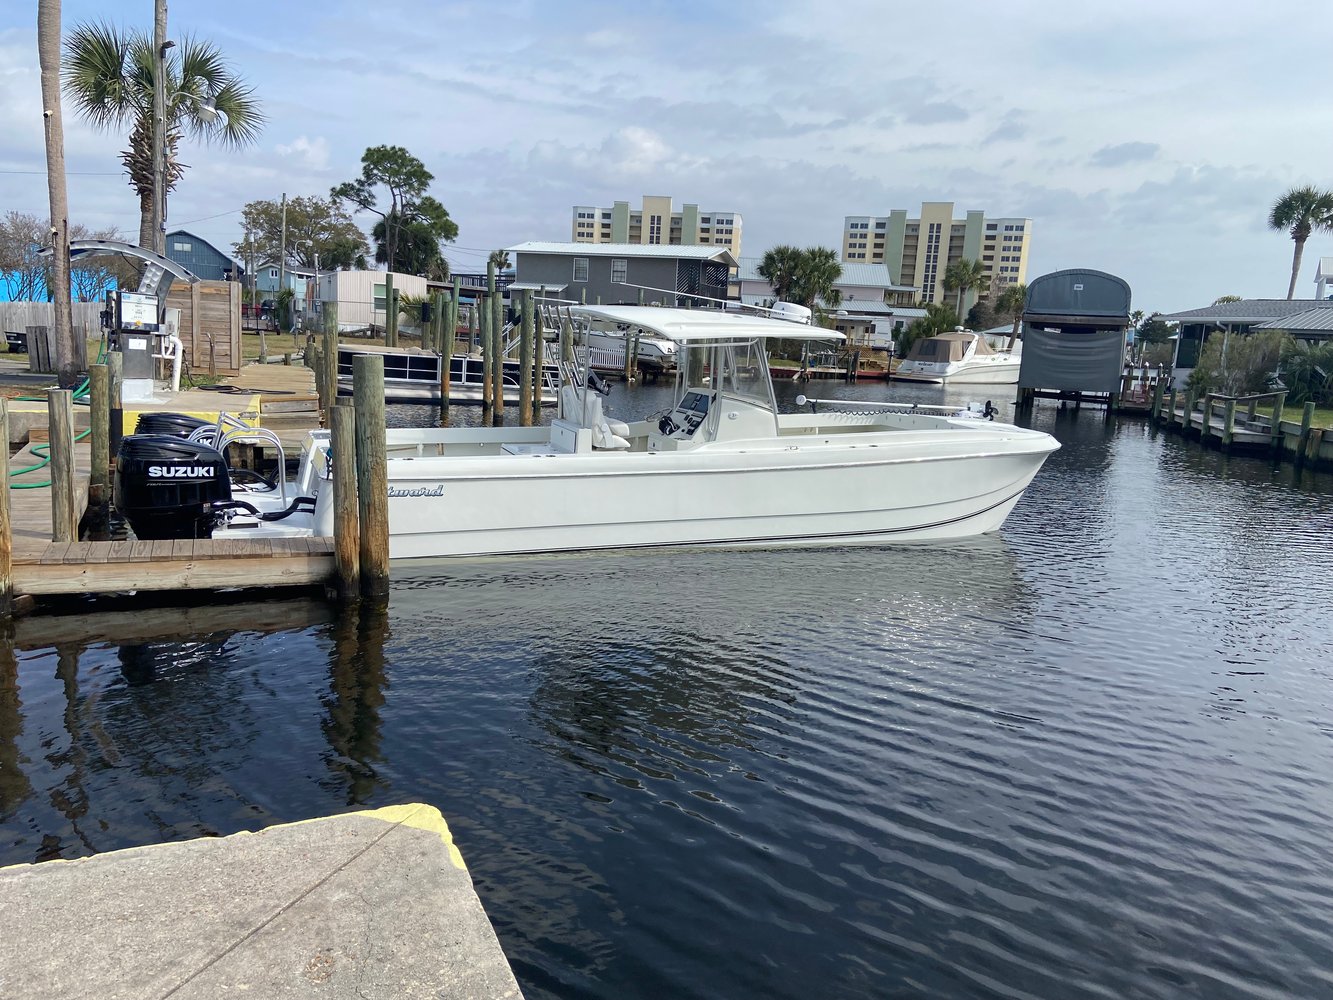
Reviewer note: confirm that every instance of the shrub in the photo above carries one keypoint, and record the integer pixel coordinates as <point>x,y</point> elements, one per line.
<point>1239,364</point>
<point>1307,372</point>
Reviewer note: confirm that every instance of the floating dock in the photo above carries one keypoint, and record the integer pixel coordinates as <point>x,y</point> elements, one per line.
<point>375,904</point>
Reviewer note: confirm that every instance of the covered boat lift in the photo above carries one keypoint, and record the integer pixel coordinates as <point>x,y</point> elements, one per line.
<point>1074,329</point>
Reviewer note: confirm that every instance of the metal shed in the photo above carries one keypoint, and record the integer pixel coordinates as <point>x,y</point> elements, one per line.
<point>1074,324</point>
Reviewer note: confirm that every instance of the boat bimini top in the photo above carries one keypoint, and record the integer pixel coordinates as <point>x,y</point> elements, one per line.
<point>683,326</point>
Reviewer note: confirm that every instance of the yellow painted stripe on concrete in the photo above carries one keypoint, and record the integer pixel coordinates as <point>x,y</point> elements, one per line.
<point>416,815</point>
<point>419,816</point>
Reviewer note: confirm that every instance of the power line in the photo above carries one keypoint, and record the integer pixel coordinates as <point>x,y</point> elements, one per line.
<point>73,173</point>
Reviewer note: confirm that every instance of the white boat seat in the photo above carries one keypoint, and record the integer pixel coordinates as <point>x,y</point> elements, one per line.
<point>607,434</point>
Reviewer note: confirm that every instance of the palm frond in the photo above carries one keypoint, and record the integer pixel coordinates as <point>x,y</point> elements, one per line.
<point>98,76</point>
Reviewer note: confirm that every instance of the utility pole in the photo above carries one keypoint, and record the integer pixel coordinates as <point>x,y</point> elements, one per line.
<point>282,248</point>
<point>159,235</point>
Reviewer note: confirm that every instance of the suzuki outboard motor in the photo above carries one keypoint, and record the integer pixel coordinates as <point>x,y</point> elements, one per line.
<point>175,424</point>
<point>166,487</point>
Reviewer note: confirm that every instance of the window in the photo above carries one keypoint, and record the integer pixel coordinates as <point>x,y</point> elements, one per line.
<point>273,273</point>
<point>706,219</point>
<point>879,225</point>
<point>379,304</point>
<point>183,247</point>
<point>991,227</point>
<point>1008,229</point>
<point>580,268</point>
<point>619,270</point>
<point>654,229</point>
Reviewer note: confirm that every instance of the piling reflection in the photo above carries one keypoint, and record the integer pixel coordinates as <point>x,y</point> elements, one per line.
<point>14,784</point>
<point>356,695</point>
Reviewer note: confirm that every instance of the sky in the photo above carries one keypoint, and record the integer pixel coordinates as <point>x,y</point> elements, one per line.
<point>1148,139</point>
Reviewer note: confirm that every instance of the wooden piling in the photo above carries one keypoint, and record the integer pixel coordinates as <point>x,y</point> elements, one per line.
<point>455,303</point>
<point>498,340</point>
<point>328,358</point>
<point>538,360</point>
<point>1159,385</point>
<point>390,312</point>
<point>115,370</point>
<point>6,528</point>
<point>346,512</point>
<point>1171,407</point>
<point>1188,419</point>
<point>372,473</point>
<point>1275,431</point>
<point>1229,424</point>
<point>448,332</point>
<point>483,311</point>
<point>64,517</point>
<point>313,362</point>
<point>1307,421</point>
<point>99,416</point>
<point>525,362</point>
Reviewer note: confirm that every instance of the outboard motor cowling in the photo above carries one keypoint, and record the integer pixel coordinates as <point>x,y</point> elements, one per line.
<point>175,424</point>
<point>166,487</point>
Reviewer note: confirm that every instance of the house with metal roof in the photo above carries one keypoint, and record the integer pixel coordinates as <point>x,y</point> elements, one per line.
<point>201,258</point>
<point>616,273</point>
<point>1235,317</point>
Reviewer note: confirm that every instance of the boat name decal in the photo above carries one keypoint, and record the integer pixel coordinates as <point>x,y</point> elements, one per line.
<point>180,472</point>
<point>419,491</point>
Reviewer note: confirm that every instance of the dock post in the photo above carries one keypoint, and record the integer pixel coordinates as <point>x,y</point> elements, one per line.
<point>313,362</point>
<point>99,416</point>
<point>448,332</point>
<point>1275,437</point>
<point>346,525</point>
<point>483,311</point>
<point>390,312</point>
<point>1229,425</point>
<point>1171,408</point>
<point>115,371</point>
<point>498,339</point>
<point>525,362</point>
<point>539,359</point>
<point>1187,420</point>
<point>372,473</point>
<point>328,359</point>
<point>566,339</point>
<point>1303,442</point>
<point>64,518</point>
<point>455,304</point>
<point>6,528</point>
<point>1206,422</point>
<point>1158,387</point>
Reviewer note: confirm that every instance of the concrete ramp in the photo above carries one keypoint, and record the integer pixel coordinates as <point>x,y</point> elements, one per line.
<point>372,904</point>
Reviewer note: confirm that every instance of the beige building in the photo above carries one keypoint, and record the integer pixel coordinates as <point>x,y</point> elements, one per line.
<point>655,222</point>
<point>917,251</point>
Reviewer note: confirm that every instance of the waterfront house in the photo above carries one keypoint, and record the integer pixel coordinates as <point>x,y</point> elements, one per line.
<point>1240,318</point>
<point>614,273</point>
<point>201,258</point>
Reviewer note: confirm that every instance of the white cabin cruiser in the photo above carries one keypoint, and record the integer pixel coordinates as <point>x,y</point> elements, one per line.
<point>958,358</point>
<point>721,467</point>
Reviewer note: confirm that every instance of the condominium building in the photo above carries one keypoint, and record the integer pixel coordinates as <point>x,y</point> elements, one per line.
<point>917,251</point>
<point>655,222</point>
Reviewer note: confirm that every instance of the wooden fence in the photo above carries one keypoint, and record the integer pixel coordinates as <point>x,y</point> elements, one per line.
<point>18,316</point>
<point>210,325</point>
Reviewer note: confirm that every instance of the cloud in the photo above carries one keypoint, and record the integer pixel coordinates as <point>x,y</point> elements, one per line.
<point>936,112</point>
<point>313,154</point>
<point>1125,152</point>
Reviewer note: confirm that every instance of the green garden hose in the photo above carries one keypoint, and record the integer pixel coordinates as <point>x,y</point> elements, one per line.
<point>45,451</point>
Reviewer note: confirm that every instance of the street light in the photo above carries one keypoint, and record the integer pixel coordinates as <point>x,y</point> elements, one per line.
<point>208,112</point>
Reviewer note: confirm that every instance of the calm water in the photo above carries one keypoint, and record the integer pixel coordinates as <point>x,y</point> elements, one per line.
<point>1091,756</point>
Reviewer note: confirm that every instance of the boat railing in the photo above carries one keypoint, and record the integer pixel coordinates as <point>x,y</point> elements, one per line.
<point>231,430</point>
<point>867,406</point>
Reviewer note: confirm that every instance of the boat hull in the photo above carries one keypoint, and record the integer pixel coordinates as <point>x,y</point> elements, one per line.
<point>976,374</point>
<point>553,503</point>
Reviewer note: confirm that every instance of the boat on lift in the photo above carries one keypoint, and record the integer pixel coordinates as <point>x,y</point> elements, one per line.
<point>720,466</point>
<point>958,358</point>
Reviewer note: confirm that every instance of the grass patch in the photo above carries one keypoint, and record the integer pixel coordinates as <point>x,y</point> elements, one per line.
<point>1323,415</point>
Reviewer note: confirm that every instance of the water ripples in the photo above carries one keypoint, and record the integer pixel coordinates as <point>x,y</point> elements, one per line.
<point>1087,758</point>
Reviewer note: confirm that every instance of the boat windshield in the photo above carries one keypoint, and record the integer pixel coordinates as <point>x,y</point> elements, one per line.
<point>739,368</point>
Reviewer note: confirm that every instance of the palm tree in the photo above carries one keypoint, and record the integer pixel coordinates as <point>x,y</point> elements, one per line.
<point>816,273</point>
<point>1301,211</point>
<point>109,75</point>
<point>1011,303</point>
<point>500,258</point>
<point>780,268</point>
<point>961,275</point>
